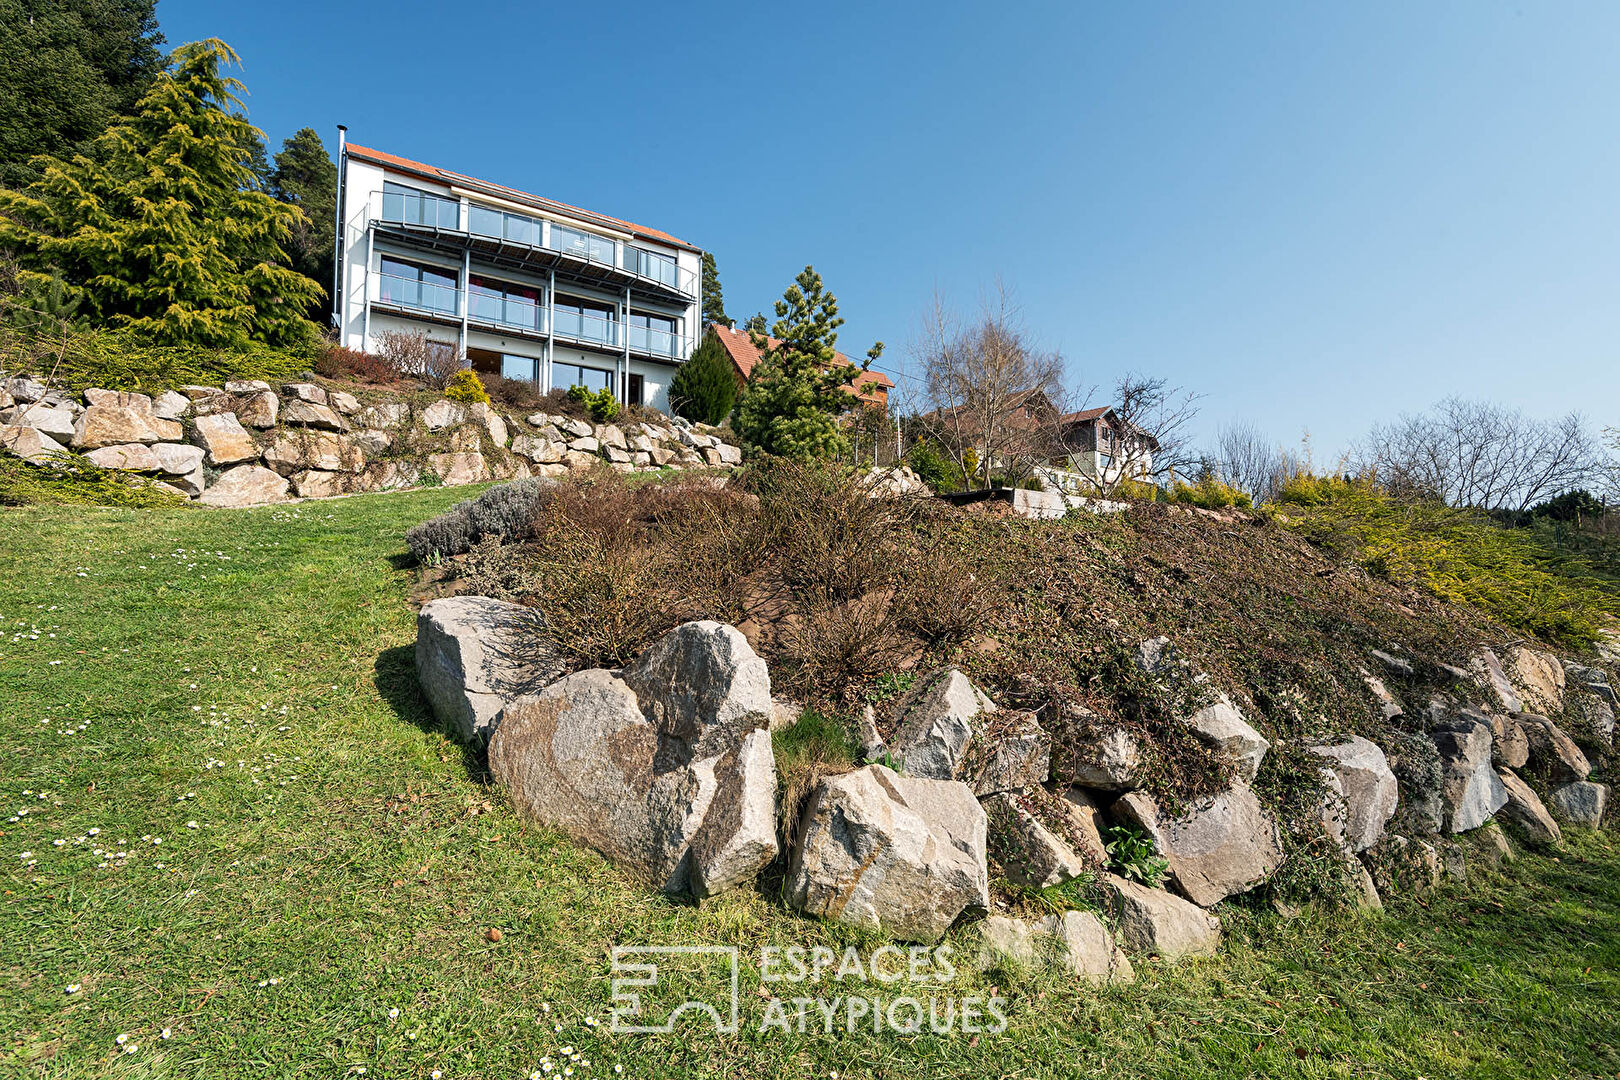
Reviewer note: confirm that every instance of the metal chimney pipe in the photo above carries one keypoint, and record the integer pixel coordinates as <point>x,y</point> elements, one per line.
<point>337,227</point>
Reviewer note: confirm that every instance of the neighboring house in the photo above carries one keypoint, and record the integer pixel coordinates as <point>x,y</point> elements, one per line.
<point>1101,450</point>
<point>871,387</point>
<point>522,286</point>
<point>1079,452</point>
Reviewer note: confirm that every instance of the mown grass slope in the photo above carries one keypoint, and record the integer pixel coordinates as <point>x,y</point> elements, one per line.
<point>250,671</point>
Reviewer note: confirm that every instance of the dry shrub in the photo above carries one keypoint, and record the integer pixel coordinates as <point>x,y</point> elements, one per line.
<point>416,355</point>
<point>513,393</point>
<point>837,542</point>
<point>823,647</point>
<point>615,564</point>
<point>337,362</point>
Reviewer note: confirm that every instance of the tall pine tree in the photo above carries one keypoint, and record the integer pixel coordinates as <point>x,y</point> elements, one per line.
<point>714,303</point>
<point>306,177</point>
<point>705,387</point>
<point>159,232</point>
<point>799,389</point>
<point>68,68</point>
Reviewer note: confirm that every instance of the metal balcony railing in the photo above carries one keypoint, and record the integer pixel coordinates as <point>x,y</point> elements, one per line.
<point>654,342</point>
<point>526,231</point>
<point>591,328</point>
<point>517,312</point>
<point>421,295</point>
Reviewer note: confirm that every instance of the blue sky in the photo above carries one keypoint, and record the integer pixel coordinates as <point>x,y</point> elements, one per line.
<point>1317,215</point>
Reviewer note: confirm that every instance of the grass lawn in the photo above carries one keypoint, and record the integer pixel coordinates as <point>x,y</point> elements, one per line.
<point>239,685</point>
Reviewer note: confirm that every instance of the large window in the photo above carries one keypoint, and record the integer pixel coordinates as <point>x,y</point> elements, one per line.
<point>505,303</point>
<point>587,320</point>
<point>413,207</point>
<point>430,288</point>
<point>568,376</point>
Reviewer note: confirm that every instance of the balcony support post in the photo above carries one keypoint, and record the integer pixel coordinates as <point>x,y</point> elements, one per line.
<point>365,291</point>
<point>464,301</point>
<point>624,328</point>
<point>551,328</point>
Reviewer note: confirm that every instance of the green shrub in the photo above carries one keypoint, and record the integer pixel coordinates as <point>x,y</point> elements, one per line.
<point>1458,555</point>
<point>599,403</point>
<point>465,386</point>
<point>72,479</point>
<point>505,512</point>
<point>936,470</point>
<point>116,360</point>
<point>1211,494</point>
<point>1131,855</point>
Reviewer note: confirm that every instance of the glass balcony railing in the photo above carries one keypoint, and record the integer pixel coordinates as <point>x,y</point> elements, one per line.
<point>422,208</point>
<point>654,342</point>
<point>421,295</point>
<point>413,208</point>
<point>516,312</point>
<point>583,244</point>
<point>518,228</point>
<point>593,328</point>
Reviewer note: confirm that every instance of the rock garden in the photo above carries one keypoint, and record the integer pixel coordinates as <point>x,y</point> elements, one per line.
<point>247,443</point>
<point>1018,761</point>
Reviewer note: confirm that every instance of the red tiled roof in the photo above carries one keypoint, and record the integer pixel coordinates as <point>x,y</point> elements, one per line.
<point>445,176</point>
<point>869,385</point>
<point>1085,414</point>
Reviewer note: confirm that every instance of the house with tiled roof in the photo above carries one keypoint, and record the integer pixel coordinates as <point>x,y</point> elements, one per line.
<point>871,387</point>
<point>520,285</point>
<point>1080,452</point>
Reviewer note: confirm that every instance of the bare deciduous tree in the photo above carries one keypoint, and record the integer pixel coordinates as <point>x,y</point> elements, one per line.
<point>1251,462</point>
<point>997,401</point>
<point>1153,430</point>
<point>1481,454</point>
<point>416,355</point>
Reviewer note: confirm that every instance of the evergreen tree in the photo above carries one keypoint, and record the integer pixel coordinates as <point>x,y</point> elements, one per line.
<point>158,231</point>
<point>799,389</point>
<point>705,387</point>
<point>714,303</point>
<point>755,323</point>
<point>67,69</point>
<point>306,177</point>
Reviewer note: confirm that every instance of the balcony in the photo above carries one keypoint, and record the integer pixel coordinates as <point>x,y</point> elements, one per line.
<point>519,241</point>
<point>647,341</point>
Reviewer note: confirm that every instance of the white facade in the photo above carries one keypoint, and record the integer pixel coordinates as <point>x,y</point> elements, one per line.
<point>516,283</point>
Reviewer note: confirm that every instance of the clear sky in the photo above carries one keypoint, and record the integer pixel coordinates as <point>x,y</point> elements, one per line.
<point>1319,215</point>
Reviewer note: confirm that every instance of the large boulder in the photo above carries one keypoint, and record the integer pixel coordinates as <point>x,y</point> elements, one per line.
<point>460,468</point>
<point>1028,838</point>
<point>1417,767</point>
<point>1217,847</point>
<point>170,405</point>
<point>58,423</point>
<point>178,459</point>
<point>306,414</point>
<point>898,854</point>
<point>1524,808</point>
<point>1097,754</point>
<point>245,485</point>
<point>1076,941</point>
<point>474,654</point>
<point>113,425</point>
<point>1487,669</point>
<point>261,410</point>
<point>131,457</point>
<point>1222,726</point>
<point>1470,789</point>
<point>1580,802</point>
<point>1152,922</point>
<point>30,444</point>
<point>935,724</point>
<point>224,439</point>
<point>1368,788</point>
<point>1539,678</point>
<point>294,451</point>
<point>666,773</point>
<point>1553,754</point>
<point>1012,753</point>
<point>1510,748</point>
<point>484,414</point>
<point>1400,864</point>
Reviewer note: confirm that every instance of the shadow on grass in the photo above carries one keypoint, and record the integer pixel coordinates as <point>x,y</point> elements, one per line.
<point>395,678</point>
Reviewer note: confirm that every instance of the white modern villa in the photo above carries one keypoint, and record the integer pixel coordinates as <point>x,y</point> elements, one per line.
<point>520,285</point>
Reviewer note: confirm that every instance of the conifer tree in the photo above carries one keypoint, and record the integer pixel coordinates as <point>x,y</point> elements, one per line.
<point>714,303</point>
<point>159,232</point>
<point>799,389</point>
<point>306,177</point>
<point>705,387</point>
